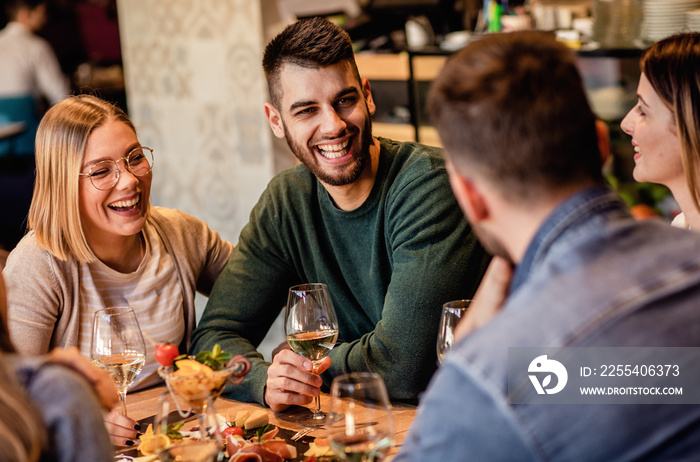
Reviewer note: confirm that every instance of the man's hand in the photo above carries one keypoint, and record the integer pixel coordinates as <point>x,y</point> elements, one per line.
<point>100,380</point>
<point>291,380</point>
<point>489,297</point>
<point>282,346</point>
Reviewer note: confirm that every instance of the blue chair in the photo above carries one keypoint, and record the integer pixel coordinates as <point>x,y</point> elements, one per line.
<point>16,168</point>
<point>19,109</point>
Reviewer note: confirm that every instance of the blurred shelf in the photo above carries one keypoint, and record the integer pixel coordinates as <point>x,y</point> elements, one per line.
<point>398,132</point>
<point>383,66</point>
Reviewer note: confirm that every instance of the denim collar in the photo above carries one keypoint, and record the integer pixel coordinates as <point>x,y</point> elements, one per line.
<point>574,211</point>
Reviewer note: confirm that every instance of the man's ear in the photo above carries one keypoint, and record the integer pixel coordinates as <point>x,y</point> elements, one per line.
<point>368,96</point>
<point>469,197</point>
<point>275,120</point>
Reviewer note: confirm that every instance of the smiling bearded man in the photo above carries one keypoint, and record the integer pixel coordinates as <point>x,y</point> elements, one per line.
<point>373,219</point>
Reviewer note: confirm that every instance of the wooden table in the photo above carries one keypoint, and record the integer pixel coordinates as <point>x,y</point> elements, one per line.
<point>143,404</point>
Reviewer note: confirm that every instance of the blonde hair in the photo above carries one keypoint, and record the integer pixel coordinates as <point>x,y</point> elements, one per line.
<point>61,139</point>
<point>22,431</point>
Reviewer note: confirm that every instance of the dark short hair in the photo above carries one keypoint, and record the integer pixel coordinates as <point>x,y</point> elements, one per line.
<point>309,43</point>
<point>12,7</point>
<point>671,65</point>
<point>512,107</point>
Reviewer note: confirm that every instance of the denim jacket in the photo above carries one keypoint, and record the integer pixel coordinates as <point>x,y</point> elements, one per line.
<point>592,276</point>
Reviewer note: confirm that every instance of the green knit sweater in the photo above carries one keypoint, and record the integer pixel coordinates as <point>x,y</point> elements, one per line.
<point>390,264</point>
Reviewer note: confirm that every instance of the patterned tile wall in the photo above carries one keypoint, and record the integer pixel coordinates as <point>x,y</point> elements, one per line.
<point>195,92</point>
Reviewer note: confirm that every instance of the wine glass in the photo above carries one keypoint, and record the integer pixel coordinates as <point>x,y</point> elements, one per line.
<point>312,330</point>
<point>117,347</point>
<point>452,313</point>
<point>360,427</point>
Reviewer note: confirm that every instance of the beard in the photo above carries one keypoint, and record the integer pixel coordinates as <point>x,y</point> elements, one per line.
<point>491,243</point>
<point>340,176</point>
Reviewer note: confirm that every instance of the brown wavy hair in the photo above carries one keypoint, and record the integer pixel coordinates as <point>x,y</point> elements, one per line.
<point>672,66</point>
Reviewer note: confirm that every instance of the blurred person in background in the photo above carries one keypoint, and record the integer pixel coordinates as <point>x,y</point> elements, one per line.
<point>95,241</point>
<point>30,78</point>
<point>664,122</point>
<point>50,412</point>
<point>28,63</point>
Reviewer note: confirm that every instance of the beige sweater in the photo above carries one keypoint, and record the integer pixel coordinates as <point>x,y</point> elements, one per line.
<point>43,291</point>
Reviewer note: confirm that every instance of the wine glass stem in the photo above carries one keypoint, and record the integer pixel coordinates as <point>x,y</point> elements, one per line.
<point>318,413</point>
<point>122,400</point>
<point>202,425</point>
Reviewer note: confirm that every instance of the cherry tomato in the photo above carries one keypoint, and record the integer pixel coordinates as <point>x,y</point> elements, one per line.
<point>232,431</point>
<point>165,353</point>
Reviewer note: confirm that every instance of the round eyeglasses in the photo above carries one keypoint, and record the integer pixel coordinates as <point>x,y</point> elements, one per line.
<point>105,174</point>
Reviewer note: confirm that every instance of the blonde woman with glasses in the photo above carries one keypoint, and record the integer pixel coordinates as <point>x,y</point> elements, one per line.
<point>95,241</point>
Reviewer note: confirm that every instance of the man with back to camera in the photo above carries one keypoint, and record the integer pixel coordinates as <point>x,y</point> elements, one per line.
<point>524,164</point>
<point>372,218</point>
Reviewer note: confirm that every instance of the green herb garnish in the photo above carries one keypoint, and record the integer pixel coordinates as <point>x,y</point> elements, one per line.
<point>261,431</point>
<point>174,431</point>
<point>216,359</point>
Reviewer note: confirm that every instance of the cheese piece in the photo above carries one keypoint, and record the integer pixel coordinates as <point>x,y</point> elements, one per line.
<point>241,417</point>
<point>257,419</point>
<point>318,450</point>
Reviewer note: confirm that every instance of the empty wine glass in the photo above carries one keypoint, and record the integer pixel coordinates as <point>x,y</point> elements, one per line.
<point>312,329</point>
<point>117,347</point>
<point>452,313</point>
<point>359,425</point>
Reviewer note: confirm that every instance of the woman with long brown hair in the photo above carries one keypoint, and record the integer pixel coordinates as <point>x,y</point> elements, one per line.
<point>664,123</point>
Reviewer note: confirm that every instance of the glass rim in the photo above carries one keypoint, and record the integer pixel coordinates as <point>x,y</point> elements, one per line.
<point>461,304</point>
<point>308,286</point>
<point>355,378</point>
<point>114,309</point>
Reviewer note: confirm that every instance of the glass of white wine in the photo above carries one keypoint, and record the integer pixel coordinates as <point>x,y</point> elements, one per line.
<point>311,328</point>
<point>118,347</point>
<point>359,425</point>
<point>452,313</point>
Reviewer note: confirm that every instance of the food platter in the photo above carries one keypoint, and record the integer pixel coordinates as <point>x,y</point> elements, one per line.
<point>191,431</point>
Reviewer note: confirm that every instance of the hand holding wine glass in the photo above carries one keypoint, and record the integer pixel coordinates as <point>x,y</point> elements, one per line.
<point>118,347</point>
<point>311,329</point>
<point>360,426</point>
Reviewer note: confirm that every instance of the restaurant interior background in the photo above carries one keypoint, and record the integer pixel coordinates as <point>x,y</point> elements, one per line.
<point>188,73</point>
